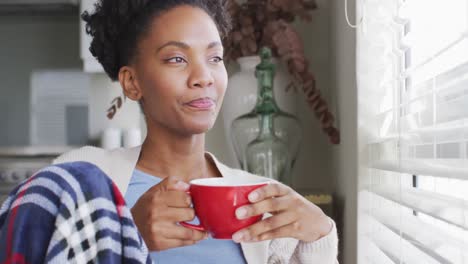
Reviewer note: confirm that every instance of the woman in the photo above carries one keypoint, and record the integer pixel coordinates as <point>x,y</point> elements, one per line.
<point>168,56</point>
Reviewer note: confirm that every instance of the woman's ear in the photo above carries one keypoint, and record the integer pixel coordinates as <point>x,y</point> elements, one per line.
<point>129,83</point>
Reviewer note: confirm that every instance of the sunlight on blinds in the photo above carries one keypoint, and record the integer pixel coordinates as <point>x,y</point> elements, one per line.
<point>412,73</point>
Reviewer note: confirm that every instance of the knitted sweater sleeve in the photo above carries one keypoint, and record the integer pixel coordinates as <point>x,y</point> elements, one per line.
<point>291,251</point>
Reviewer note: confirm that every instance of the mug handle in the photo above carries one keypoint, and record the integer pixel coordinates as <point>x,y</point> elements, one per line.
<point>192,226</point>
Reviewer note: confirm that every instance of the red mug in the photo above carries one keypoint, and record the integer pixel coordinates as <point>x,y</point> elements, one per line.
<point>215,201</point>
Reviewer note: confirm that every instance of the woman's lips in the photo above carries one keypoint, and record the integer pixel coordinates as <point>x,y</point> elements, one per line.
<point>202,104</point>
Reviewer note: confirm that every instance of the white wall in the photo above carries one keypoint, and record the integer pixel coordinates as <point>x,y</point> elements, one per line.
<point>313,169</point>
<point>345,158</point>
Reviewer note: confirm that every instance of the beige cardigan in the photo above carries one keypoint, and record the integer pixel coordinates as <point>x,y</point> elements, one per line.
<point>119,165</point>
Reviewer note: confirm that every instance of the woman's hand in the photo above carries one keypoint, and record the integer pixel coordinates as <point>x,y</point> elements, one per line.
<point>158,212</point>
<point>293,216</point>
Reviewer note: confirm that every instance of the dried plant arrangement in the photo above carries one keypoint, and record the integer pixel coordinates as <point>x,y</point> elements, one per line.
<point>259,23</point>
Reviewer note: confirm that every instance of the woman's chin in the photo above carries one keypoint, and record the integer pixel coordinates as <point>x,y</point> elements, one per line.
<point>200,127</point>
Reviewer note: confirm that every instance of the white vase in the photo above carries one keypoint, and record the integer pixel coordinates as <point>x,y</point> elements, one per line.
<point>241,95</point>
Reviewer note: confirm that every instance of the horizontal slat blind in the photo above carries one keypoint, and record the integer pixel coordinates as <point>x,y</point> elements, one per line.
<point>451,210</point>
<point>374,254</point>
<point>403,237</point>
<point>397,249</point>
<point>435,244</point>
<point>412,71</point>
<point>457,169</point>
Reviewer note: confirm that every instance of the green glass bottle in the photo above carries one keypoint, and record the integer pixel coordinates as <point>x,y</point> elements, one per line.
<point>266,139</point>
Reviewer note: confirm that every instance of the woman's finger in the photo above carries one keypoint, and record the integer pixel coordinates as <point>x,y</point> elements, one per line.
<point>177,232</point>
<point>161,236</point>
<point>169,183</point>
<point>267,225</point>
<point>175,215</point>
<point>271,205</point>
<point>274,189</point>
<point>177,199</point>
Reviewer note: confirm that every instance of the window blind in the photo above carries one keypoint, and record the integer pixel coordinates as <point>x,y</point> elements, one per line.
<point>412,72</point>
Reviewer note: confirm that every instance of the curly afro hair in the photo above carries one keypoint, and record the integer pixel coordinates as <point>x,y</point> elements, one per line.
<point>116,26</point>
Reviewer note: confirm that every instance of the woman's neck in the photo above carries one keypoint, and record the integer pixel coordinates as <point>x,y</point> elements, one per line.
<point>167,154</point>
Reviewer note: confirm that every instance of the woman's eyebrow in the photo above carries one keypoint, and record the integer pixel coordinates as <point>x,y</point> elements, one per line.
<point>185,46</point>
<point>214,44</point>
<point>178,44</point>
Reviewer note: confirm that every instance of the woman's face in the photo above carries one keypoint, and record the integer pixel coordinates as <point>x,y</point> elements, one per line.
<point>180,72</point>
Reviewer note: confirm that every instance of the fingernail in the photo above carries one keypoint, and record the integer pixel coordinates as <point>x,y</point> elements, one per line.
<point>182,185</point>
<point>237,237</point>
<point>253,197</point>
<point>241,213</point>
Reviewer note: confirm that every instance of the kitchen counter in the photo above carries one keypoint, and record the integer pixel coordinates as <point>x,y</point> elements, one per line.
<point>19,163</point>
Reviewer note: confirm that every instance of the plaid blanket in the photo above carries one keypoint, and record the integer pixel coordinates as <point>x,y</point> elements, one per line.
<point>69,213</point>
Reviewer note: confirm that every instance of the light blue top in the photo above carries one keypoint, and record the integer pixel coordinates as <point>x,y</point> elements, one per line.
<point>208,251</point>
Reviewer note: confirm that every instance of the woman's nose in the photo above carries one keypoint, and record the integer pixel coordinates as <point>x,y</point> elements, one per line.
<point>201,77</point>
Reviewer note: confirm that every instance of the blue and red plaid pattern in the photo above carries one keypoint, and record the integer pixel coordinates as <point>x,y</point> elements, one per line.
<point>69,213</point>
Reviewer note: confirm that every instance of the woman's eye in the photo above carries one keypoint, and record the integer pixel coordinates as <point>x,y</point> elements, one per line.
<point>217,59</point>
<point>176,60</point>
